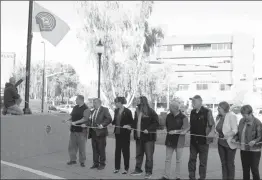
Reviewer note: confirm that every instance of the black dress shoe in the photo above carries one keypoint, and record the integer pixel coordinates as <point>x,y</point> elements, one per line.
<point>125,172</point>
<point>101,167</point>
<point>164,178</point>
<point>71,162</point>
<point>83,165</point>
<point>94,167</point>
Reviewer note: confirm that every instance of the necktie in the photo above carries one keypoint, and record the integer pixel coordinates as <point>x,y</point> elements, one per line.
<point>94,118</point>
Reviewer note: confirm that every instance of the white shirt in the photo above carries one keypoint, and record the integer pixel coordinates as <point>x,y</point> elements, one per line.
<point>95,112</point>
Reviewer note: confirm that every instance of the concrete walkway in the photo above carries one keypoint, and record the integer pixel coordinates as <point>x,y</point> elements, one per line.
<point>24,141</point>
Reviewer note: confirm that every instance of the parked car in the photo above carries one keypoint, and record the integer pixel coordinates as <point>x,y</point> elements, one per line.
<point>52,108</point>
<point>2,96</point>
<point>66,108</point>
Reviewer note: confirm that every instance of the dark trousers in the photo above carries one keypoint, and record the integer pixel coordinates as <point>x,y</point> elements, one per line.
<point>250,160</point>
<point>148,148</point>
<point>202,150</point>
<point>99,149</point>
<point>122,145</point>
<point>227,157</point>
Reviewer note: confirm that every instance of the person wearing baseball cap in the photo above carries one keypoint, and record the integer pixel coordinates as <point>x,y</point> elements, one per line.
<point>201,123</point>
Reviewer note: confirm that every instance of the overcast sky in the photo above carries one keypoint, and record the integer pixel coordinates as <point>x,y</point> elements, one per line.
<point>178,18</point>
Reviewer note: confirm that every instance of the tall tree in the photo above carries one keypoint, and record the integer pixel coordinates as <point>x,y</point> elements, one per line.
<point>122,28</point>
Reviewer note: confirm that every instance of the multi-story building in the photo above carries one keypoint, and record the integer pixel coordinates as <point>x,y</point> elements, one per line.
<point>217,67</point>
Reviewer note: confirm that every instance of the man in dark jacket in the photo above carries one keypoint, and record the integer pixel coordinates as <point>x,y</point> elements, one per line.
<point>12,99</point>
<point>201,123</point>
<point>79,115</point>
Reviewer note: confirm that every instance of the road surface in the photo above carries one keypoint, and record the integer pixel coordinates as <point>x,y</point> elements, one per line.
<point>41,155</point>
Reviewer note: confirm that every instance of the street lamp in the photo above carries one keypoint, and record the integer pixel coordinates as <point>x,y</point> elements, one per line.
<point>43,87</point>
<point>99,51</point>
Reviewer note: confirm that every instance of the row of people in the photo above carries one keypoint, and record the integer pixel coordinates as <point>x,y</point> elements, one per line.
<point>201,125</point>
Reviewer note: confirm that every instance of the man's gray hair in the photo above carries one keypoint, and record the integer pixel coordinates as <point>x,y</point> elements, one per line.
<point>175,104</point>
<point>81,97</point>
<point>98,99</point>
<point>11,79</point>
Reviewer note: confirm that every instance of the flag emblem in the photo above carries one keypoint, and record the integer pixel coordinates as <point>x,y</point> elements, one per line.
<point>46,21</point>
<point>48,129</point>
<point>51,27</point>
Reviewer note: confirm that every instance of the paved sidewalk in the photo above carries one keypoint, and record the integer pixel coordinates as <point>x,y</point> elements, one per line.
<point>25,142</point>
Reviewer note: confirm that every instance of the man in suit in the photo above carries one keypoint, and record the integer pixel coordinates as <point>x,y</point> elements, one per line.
<point>100,118</point>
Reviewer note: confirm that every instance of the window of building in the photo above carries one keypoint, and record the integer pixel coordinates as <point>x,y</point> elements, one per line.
<point>226,61</point>
<point>187,47</point>
<point>163,48</point>
<point>228,45</point>
<point>221,46</point>
<point>225,87</point>
<point>202,86</point>
<point>200,47</point>
<point>169,48</point>
<point>183,87</point>
<point>214,46</point>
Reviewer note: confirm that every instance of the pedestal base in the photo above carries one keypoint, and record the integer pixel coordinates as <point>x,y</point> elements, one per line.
<point>27,111</point>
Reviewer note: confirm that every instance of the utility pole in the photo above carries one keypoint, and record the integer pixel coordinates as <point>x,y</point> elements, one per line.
<point>99,73</point>
<point>28,58</point>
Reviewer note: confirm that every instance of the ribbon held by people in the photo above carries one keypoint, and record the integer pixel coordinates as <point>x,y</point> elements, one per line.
<point>163,132</point>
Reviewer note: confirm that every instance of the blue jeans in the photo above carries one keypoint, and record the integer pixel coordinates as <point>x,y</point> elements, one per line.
<point>227,157</point>
<point>145,147</point>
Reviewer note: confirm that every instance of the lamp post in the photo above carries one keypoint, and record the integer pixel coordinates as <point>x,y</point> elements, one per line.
<point>99,50</point>
<point>43,87</point>
<point>28,58</point>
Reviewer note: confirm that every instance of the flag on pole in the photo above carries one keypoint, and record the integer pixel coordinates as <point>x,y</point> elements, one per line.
<point>51,27</point>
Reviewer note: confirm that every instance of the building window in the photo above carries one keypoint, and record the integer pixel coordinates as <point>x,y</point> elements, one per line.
<point>227,61</point>
<point>221,46</point>
<point>228,46</point>
<point>163,48</point>
<point>183,87</point>
<point>202,86</point>
<point>187,47</point>
<point>200,47</point>
<point>169,48</point>
<point>225,87</point>
<point>214,46</point>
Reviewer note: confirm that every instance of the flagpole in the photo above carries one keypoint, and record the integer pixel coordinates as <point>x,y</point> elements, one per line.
<point>28,58</point>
